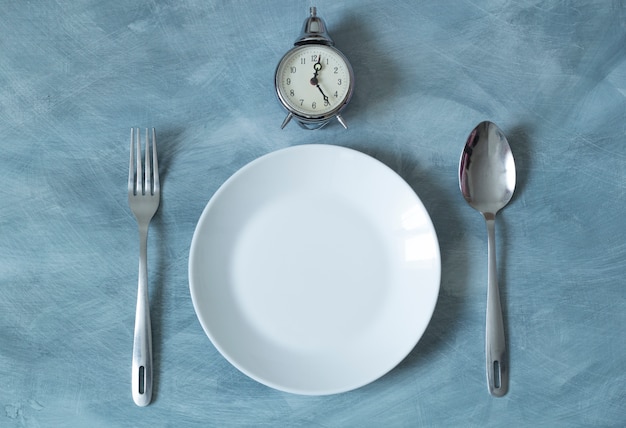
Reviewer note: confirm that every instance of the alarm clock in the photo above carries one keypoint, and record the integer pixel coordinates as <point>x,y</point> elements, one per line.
<point>314,81</point>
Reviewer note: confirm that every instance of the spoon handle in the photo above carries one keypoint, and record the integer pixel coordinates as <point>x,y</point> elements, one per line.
<point>495,346</point>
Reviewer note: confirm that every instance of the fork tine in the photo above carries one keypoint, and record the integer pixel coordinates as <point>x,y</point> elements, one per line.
<point>131,166</point>
<point>155,164</point>
<point>147,181</point>
<point>139,171</point>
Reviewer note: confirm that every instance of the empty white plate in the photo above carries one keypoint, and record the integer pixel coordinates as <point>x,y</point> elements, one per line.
<point>314,269</point>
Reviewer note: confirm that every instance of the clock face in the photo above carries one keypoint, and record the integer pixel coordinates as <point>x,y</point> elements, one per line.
<point>314,81</point>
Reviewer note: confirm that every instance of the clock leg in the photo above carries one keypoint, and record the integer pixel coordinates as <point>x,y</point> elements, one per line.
<point>343,122</point>
<point>286,121</point>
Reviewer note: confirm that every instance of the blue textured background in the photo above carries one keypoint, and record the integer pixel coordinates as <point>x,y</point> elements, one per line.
<point>76,75</point>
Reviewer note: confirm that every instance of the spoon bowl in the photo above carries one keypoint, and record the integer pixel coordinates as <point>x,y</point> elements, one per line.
<point>487,181</point>
<point>487,169</point>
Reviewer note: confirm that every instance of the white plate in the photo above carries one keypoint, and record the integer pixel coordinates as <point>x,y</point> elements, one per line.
<point>314,269</point>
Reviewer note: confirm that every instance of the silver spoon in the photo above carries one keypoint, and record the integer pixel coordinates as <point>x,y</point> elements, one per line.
<point>487,181</point>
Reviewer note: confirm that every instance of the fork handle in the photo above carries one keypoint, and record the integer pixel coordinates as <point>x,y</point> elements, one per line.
<point>142,342</point>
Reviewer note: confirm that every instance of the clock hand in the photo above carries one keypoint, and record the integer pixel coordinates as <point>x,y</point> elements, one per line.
<point>323,94</point>
<point>317,67</point>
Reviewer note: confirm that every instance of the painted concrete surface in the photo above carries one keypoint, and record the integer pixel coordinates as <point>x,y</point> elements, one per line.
<point>76,76</point>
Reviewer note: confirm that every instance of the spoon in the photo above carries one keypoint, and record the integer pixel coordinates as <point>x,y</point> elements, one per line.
<point>487,181</point>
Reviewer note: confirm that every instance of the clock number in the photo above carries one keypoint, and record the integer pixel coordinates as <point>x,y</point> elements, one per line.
<point>302,60</point>
<point>336,70</point>
<point>288,81</point>
<point>301,101</point>
<point>314,105</point>
<point>336,94</point>
<point>313,58</point>
<point>326,102</point>
<point>292,93</point>
<point>293,70</point>
<point>339,82</point>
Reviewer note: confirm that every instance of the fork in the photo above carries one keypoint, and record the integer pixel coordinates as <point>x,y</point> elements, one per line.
<point>143,197</point>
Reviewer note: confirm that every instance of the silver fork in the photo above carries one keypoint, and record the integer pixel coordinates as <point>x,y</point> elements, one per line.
<point>143,197</point>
